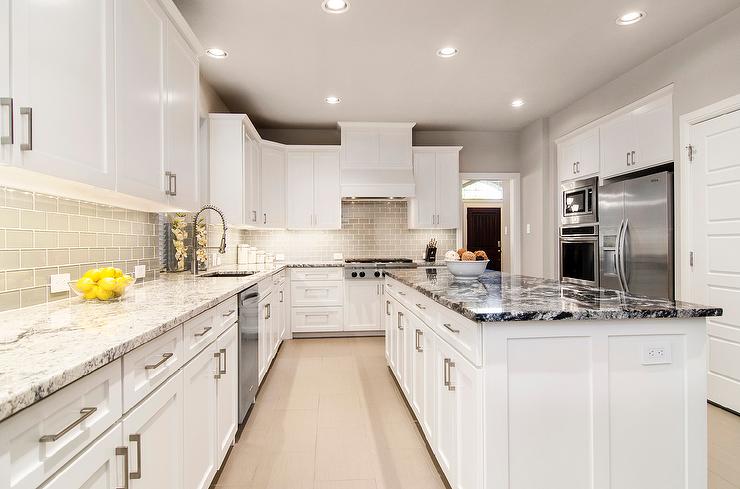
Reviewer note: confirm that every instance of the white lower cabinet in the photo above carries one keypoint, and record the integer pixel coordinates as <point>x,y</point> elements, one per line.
<point>264,325</point>
<point>388,317</point>
<point>227,391</point>
<point>423,384</point>
<point>362,311</point>
<point>153,434</point>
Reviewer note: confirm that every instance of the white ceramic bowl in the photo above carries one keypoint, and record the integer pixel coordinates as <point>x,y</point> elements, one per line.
<point>466,270</point>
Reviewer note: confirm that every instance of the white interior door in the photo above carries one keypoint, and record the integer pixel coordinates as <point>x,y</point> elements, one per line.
<point>63,73</point>
<point>715,221</point>
<point>327,190</point>
<point>300,190</point>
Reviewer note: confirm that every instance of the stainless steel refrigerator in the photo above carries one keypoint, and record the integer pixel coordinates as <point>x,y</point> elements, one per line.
<point>636,235</point>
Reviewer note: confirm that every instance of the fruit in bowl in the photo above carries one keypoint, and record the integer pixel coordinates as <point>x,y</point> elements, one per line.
<point>103,284</point>
<point>467,265</point>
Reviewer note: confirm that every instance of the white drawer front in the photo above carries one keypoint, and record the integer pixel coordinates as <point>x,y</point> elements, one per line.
<point>199,332</point>
<point>68,420</point>
<point>331,273</point>
<point>318,293</point>
<point>226,314</point>
<point>461,333</point>
<point>149,365</point>
<point>317,319</point>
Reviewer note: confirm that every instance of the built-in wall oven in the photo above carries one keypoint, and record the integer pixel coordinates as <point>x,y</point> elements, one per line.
<point>579,254</point>
<point>580,204</point>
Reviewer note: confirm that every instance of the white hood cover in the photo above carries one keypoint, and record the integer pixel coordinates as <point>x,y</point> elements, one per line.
<point>377,183</point>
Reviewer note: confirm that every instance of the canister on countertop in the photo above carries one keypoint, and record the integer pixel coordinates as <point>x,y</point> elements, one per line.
<point>242,253</point>
<point>252,254</point>
<point>260,257</point>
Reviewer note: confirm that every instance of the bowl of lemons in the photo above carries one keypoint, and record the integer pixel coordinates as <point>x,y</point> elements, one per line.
<point>102,284</point>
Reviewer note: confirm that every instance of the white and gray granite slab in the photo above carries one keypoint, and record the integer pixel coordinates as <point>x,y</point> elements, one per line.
<point>44,348</point>
<point>497,297</point>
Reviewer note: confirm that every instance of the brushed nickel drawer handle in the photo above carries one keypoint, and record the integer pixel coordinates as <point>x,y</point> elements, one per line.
<point>28,111</point>
<point>387,308</point>
<point>7,102</point>
<point>222,351</point>
<point>165,357</point>
<point>84,414</point>
<point>446,373</point>
<point>421,307</point>
<point>136,439</point>
<point>400,316</point>
<point>450,328</point>
<point>418,346</point>
<point>123,451</point>
<point>450,365</point>
<point>217,356</point>
<point>203,333</point>
<point>401,293</point>
<point>228,313</point>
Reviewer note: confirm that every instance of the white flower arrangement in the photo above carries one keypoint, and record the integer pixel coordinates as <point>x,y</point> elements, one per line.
<point>179,235</point>
<point>201,235</point>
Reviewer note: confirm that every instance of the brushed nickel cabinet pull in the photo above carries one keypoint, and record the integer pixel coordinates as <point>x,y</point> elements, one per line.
<point>633,158</point>
<point>165,357</point>
<point>136,439</point>
<point>203,333</point>
<point>222,351</point>
<point>84,414</point>
<point>217,356</point>
<point>7,102</point>
<point>228,313</point>
<point>446,373</point>
<point>387,308</point>
<point>400,316</point>
<point>418,346</point>
<point>123,451</point>
<point>28,145</point>
<point>420,307</point>
<point>628,158</point>
<point>264,220</point>
<point>401,293</point>
<point>171,178</point>
<point>450,365</point>
<point>254,216</point>
<point>282,297</point>
<point>450,328</point>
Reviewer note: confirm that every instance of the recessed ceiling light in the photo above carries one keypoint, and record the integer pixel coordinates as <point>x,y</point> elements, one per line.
<point>335,6</point>
<point>216,53</point>
<point>447,52</point>
<point>517,102</point>
<point>631,17</point>
<point>332,100</point>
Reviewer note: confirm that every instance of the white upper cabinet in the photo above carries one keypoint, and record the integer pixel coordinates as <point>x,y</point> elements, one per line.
<point>62,79</point>
<point>253,157</point>
<point>578,157</point>
<point>227,182</point>
<point>376,145</point>
<point>638,139</point>
<point>140,36</point>
<point>181,127</point>
<point>313,188</point>
<point>6,100</point>
<point>436,204</point>
<point>272,185</point>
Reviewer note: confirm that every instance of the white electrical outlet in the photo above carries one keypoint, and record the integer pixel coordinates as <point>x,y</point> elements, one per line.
<point>139,271</point>
<point>59,283</point>
<point>338,256</point>
<point>656,354</point>
<point>280,257</point>
<point>529,229</point>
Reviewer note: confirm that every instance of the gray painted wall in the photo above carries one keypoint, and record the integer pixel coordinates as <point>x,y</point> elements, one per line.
<point>534,161</point>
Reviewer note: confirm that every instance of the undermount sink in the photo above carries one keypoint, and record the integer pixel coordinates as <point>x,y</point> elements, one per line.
<point>227,274</point>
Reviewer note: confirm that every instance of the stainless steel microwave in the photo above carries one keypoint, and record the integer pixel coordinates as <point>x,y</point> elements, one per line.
<point>579,205</point>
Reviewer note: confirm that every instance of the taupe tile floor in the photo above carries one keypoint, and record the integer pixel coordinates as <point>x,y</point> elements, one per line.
<point>330,417</point>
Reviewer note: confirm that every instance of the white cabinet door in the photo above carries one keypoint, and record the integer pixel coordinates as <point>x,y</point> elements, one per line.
<point>6,101</point>
<point>153,434</point>
<point>300,185</point>
<point>62,82</point>
<point>95,468</point>
<point>327,191</point>
<point>588,159</point>
<point>272,187</point>
<point>199,429</point>
<point>253,156</point>
<point>617,141</point>
<point>400,346</point>
<point>407,343</point>
<point>654,132</point>
<point>283,306</point>
<point>227,391</point>
<point>390,328</point>
<point>263,331</point>
<point>448,189</point>
<point>423,207</point>
<point>362,309</point>
<point>181,121</point>
<point>568,154</point>
<point>140,33</point>
<point>423,387</point>
<point>226,161</point>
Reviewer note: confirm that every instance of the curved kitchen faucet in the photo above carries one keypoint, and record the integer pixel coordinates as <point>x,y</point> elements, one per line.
<point>221,249</point>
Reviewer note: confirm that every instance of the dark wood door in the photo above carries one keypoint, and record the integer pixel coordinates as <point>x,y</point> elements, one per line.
<point>484,233</point>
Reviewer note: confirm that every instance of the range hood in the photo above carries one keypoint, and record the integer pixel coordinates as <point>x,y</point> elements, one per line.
<point>377,160</point>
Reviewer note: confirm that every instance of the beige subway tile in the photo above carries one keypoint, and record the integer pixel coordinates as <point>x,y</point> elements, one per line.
<point>137,228</point>
<point>132,241</point>
<point>10,300</point>
<point>72,270</point>
<point>79,255</point>
<point>41,275</point>
<point>45,203</point>
<point>33,258</point>
<point>2,196</point>
<point>19,279</point>
<point>105,211</point>
<point>125,254</point>
<point>119,240</point>
<point>148,252</point>
<point>97,254</point>
<point>16,238</point>
<point>88,209</point>
<point>58,257</point>
<point>32,297</point>
<point>69,240</point>
<point>33,219</point>
<point>69,206</point>
<point>119,214</point>
<point>2,279</point>
<point>111,226</point>
<point>105,240</point>
<point>2,238</point>
<point>10,218</point>
<point>131,215</point>
<point>9,259</point>
<point>57,222</point>
<point>78,223</point>
<point>45,239</point>
<point>124,227</point>
<point>88,239</point>
<point>137,253</point>
<point>96,224</point>
<point>57,296</point>
<point>112,254</point>
<point>18,198</point>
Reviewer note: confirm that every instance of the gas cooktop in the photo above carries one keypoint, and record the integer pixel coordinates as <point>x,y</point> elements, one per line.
<point>359,268</point>
<point>378,260</point>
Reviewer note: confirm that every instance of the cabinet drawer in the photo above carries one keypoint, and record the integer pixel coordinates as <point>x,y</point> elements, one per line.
<point>225,314</point>
<point>67,421</point>
<point>278,278</point>
<point>331,273</point>
<point>199,332</point>
<point>149,365</point>
<point>318,293</point>
<point>317,319</point>
<point>461,333</point>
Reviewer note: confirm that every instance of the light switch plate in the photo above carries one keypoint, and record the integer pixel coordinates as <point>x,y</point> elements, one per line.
<point>59,283</point>
<point>529,229</point>
<point>139,271</point>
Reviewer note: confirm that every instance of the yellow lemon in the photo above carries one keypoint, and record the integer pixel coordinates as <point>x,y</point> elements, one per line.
<point>129,279</point>
<point>107,283</point>
<point>117,272</point>
<point>92,293</point>
<point>108,272</point>
<point>84,284</point>
<point>103,294</point>
<point>121,284</point>
<point>93,274</point>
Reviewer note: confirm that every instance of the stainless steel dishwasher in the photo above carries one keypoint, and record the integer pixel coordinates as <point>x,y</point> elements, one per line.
<point>248,349</point>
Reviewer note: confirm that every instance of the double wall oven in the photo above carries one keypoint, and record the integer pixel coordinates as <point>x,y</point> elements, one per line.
<point>579,233</point>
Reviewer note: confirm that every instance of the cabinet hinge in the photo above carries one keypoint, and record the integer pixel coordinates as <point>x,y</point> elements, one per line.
<point>691,258</point>
<point>691,151</point>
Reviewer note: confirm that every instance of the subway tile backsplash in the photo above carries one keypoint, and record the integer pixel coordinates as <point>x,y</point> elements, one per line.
<point>42,235</point>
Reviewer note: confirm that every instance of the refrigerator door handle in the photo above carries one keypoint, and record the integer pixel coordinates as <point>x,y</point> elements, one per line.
<point>620,261</point>
<point>618,264</point>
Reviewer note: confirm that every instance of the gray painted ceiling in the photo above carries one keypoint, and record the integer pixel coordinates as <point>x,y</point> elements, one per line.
<point>286,56</point>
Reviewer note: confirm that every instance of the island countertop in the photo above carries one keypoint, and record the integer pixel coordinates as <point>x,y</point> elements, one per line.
<point>497,297</point>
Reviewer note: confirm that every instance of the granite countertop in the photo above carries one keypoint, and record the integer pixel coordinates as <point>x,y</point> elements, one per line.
<point>44,348</point>
<point>497,297</point>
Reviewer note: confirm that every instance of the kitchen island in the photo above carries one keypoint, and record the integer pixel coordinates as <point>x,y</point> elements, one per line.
<point>519,382</point>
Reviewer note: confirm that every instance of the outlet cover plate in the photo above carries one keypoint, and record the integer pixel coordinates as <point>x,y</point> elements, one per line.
<point>140,271</point>
<point>656,354</point>
<point>59,283</point>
